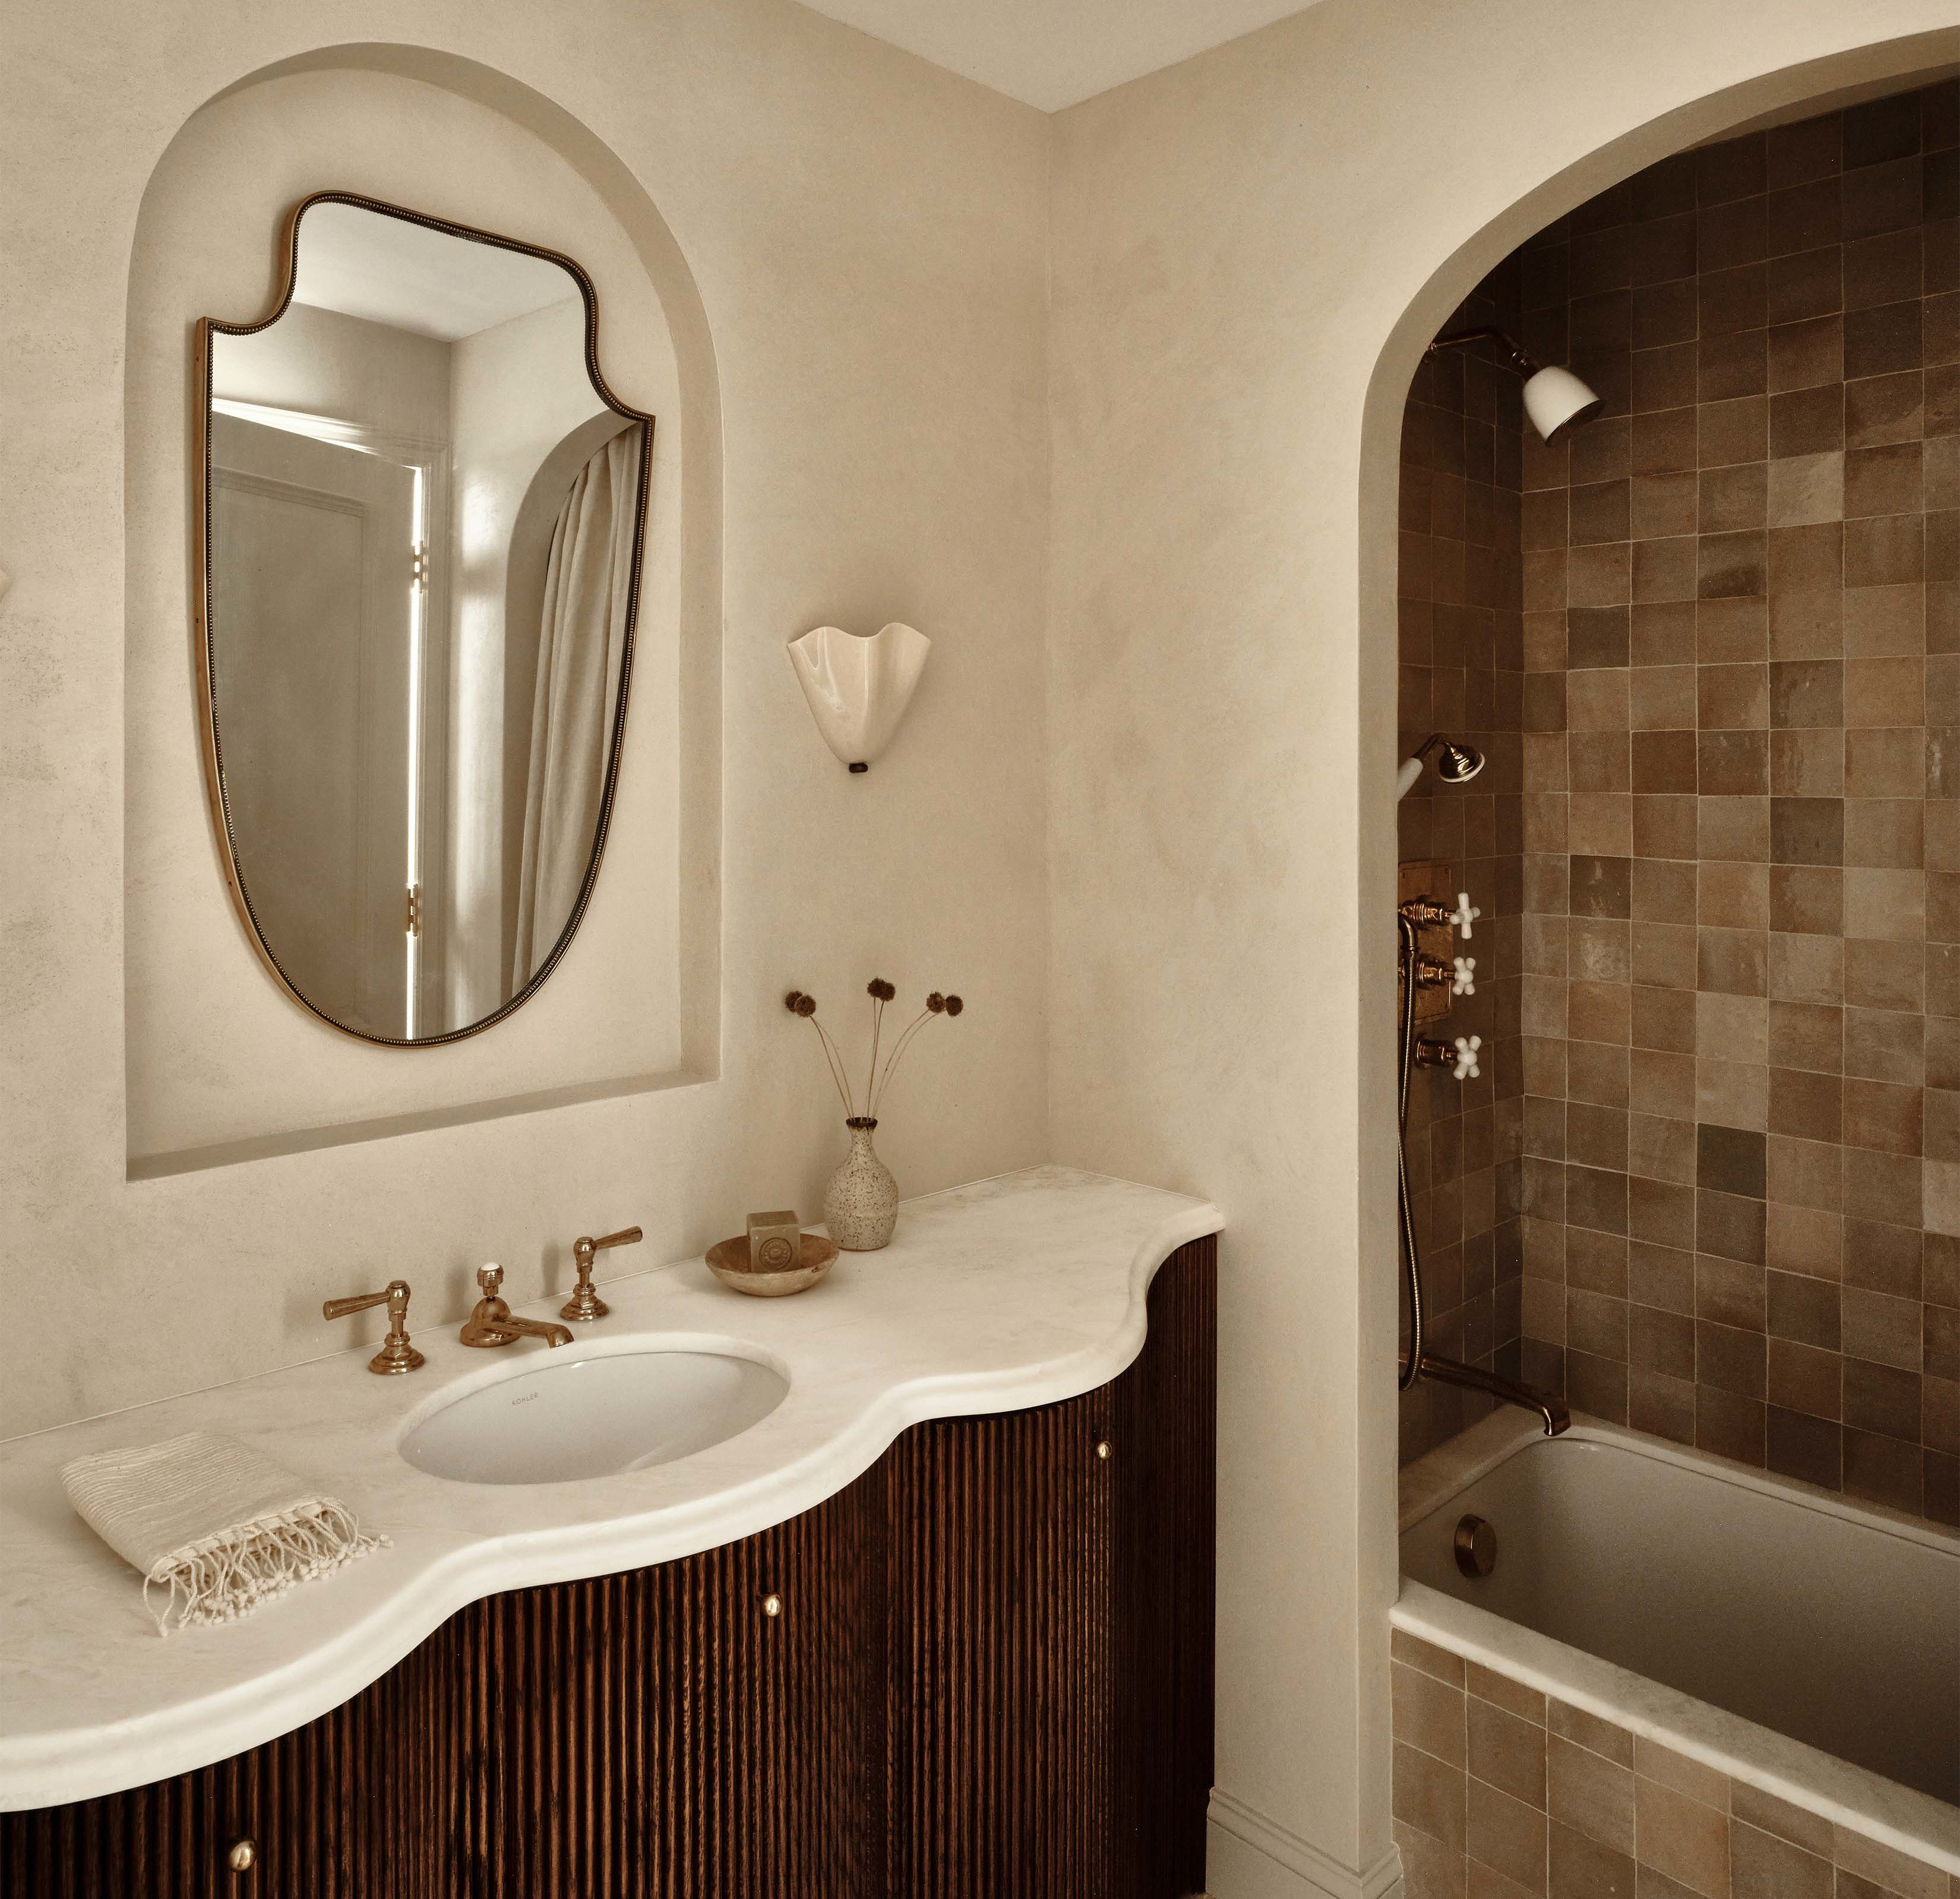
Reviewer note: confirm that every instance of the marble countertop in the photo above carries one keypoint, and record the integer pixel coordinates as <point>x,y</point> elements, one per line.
<point>1010,1292</point>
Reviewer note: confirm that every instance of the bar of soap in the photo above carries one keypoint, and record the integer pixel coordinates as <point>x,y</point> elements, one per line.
<point>775,1242</point>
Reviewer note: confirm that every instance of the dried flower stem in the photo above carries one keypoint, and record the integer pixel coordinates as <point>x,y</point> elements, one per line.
<point>898,1047</point>
<point>835,1056</point>
<point>871,1078</point>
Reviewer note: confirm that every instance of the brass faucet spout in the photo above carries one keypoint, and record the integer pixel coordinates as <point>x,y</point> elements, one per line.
<point>492,1322</point>
<point>1448,1371</point>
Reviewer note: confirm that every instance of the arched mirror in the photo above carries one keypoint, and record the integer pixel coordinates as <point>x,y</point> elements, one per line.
<point>423,526</point>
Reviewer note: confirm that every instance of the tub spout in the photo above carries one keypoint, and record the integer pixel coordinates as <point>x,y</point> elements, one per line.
<point>1448,1371</point>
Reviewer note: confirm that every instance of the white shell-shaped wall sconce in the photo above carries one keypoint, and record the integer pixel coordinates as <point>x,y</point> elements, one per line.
<point>858,688</point>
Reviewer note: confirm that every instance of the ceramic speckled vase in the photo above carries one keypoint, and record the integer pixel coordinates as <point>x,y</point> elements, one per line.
<point>861,1205</point>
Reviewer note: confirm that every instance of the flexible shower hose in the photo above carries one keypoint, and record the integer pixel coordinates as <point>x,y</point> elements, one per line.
<point>1411,1264</point>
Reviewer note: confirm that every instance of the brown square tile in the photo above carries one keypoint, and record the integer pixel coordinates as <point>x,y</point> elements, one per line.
<point>1664,442</point>
<point>1807,762</point>
<point>1663,956</point>
<point>1733,895</point>
<point>1888,269</point>
<point>1733,763</point>
<point>1730,1425</point>
<point>1665,570</point>
<point>1807,623</point>
<point>1805,1177</point>
<point>1887,480</point>
<point>1735,364</point>
<point>1796,1824</point>
<point>1806,693</point>
<point>1666,826</point>
<point>1884,1045</point>
<point>1882,1115</point>
<point>1805,1309</point>
<point>1884,409</point>
<point>1809,283</point>
<point>1806,354</point>
<point>1662,505</point>
<point>1664,377</point>
<point>1663,633</point>
<point>1661,1089</point>
<point>1807,831</point>
<point>1664,762</point>
<point>1882,340</point>
<point>1682,1839</point>
<point>1886,832</point>
<point>1806,421</point>
<point>1733,300</point>
<point>1664,891</point>
<point>1883,197</point>
<point>1806,1241</point>
<point>1887,693</point>
<point>1741,431</point>
<point>1811,1449</point>
<point>1666,313</point>
<point>1507,1752</point>
<point>1806,1105</point>
<point>1806,969</point>
<point>1429,1714</point>
<point>1733,697</point>
<point>1507,1835</point>
<point>1733,499</point>
<point>1735,1093</point>
<point>1596,701</point>
<point>1806,899</point>
<point>1806,1035</point>
<point>1885,623</point>
<point>1802,217</point>
<point>1430,1795</point>
<point>1805,489</point>
<point>1885,550</point>
<point>1736,828</point>
<point>1730,630</point>
<point>1880,1398</point>
<point>1664,1019</point>
<point>1598,576</point>
<point>1806,559</point>
<point>1598,512</point>
<point>1888,976</point>
<point>1732,564</point>
<point>1884,762</point>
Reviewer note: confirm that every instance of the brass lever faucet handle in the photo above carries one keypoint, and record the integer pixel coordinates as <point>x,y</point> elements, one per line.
<point>396,1354</point>
<point>584,1302</point>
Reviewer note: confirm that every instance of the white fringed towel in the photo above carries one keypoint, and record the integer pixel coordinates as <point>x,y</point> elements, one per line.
<point>207,1518</point>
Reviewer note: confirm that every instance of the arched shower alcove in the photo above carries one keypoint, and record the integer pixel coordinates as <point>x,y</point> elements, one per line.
<point>1704,1186</point>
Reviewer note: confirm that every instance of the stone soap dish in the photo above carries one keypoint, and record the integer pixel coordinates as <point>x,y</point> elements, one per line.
<point>729,1262</point>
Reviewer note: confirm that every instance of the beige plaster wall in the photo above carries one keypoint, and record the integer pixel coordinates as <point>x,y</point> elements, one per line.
<point>1249,250</point>
<point>863,236</point>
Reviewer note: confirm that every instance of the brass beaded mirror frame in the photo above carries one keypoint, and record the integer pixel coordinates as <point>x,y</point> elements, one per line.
<point>209,328</point>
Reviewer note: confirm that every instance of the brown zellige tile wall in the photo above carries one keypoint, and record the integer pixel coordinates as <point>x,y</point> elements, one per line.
<point>1501,1792</point>
<point>1741,699</point>
<point>1739,1008</point>
<point>1461,653</point>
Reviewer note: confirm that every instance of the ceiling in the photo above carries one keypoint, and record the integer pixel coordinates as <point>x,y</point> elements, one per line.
<point>1052,53</point>
<point>365,264</point>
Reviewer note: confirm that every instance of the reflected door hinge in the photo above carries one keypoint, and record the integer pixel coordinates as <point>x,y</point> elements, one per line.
<point>420,555</point>
<point>415,920</point>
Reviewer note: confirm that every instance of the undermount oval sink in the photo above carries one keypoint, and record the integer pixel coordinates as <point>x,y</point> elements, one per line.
<point>576,1415</point>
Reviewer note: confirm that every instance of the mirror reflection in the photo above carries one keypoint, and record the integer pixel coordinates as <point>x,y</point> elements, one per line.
<point>423,525</point>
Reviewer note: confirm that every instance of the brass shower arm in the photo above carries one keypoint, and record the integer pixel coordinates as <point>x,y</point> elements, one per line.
<point>1521,359</point>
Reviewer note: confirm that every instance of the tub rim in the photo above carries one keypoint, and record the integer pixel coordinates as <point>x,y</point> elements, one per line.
<point>1855,1798</point>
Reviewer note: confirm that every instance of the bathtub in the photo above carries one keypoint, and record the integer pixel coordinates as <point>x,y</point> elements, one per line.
<point>1805,1646</point>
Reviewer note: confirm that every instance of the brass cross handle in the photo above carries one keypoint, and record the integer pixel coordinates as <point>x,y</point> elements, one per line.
<point>396,1354</point>
<point>584,1302</point>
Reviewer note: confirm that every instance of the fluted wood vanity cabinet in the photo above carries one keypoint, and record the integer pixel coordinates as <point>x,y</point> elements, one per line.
<point>990,1675</point>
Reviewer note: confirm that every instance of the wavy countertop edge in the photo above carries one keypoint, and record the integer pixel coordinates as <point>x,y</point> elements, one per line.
<point>996,1296</point>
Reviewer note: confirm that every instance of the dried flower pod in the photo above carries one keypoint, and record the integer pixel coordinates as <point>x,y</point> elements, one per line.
<point>953,1005</point>
<point>798,1003</point>
<point>935,1002</point>
<point>879,988</point>
<point>791,1000</point>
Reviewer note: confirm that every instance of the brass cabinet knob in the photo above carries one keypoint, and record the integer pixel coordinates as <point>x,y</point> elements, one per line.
<point>772,1605</point>
<point>243,1856</point>
<point>1103,1450</point>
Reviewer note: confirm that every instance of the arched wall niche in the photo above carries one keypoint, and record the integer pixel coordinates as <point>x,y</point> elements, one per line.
<point>1789,93</point>
<point>636,1007</point>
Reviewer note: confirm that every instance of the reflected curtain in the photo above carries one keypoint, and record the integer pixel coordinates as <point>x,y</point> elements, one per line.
<point>588,589</point>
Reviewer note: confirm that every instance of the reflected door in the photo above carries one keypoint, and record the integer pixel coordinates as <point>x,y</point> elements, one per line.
<point>314,574</point>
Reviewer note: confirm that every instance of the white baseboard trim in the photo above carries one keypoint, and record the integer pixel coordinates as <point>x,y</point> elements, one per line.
<point>1249,1856</point>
